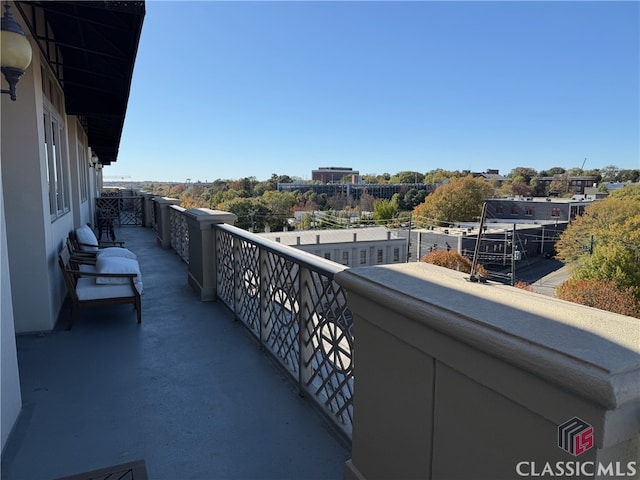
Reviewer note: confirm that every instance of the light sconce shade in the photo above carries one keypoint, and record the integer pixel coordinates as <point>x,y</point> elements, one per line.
<point>15,51</point>
<point>94,160</point>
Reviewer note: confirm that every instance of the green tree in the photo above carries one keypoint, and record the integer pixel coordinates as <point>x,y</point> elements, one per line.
<point>604,242</point>
<point>384,211</point>
<point>552,171</point>
<point>609,173</point>
<point>407,177</point>
<point>440,175</point>
<point>522,175</point>
<point>458,201</point>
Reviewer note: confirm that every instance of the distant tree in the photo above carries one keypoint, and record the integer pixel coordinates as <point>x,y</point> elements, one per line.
<point>609,173</point>
<point>522,174</point>
<point>452,260</point>
<point>538,186</point>
<point>369,178</point>
<point>440,175</point>
<point>366,202</point>
<point>602,294</point>
<point>306,222</point>
<point>408,177</point>
<point>574,172</point>
<point>280,205</point>
<point>523,189</point>
<point>458,201</point>
<point>604,242</point>
<point>552,171</point>
<point>505,190</point>
<point>384,211</point>
<point>628,176</point>
<point>251,212</point>
<point>559,185</point>
<point>412,199</point>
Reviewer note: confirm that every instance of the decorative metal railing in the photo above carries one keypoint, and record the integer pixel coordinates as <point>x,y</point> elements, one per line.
<point>119,210</point>
<point>289,301</point>
<point>155,217</point>
<point>179,232</point>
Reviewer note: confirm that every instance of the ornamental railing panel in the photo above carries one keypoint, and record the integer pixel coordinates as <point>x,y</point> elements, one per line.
<point>289,301</point>
<point>179,232</point>
<point>116,210</point>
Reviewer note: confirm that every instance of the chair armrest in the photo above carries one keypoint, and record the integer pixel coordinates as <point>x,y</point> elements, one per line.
<point>102,244</point>
<point>83,259</point>
<point>109,243</point>
<point>96,274</point>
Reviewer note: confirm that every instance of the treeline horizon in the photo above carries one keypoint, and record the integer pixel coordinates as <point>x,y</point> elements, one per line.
<point>609,173</point>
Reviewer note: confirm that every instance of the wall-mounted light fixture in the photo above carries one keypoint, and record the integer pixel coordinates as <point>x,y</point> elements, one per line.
<point>99,166</point>
<point>15,51</point>
<point>94,160</point>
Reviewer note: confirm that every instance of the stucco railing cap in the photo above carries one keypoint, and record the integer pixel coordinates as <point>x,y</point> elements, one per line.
<point>172,201</point>
<point>555,339</point>
<point>204,215</point>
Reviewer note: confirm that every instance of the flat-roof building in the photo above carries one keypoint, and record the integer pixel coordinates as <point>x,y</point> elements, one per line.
<point>335,174</point>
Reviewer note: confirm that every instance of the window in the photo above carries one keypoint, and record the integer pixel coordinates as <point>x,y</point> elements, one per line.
<point>396,254</point>
<point>363,257</point>
<point>56,158</point>
<point>84,172</point>
<point>57,165</point>
<point>499,208</point>
<point>345,258</point>
<point>528,211</point>
<point>380,255</point>
<point>555,212</point>
<point>514,210</point>
<point>327,255</point>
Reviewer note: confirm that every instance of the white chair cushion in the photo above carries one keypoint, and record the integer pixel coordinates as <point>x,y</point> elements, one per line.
<point>118,265</point>
<point>117,252</point>
<point>85,235</point>
<point>88,289</point>
<point>87,268</point>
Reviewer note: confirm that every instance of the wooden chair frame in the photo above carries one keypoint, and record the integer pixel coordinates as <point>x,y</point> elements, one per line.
<point>71,276</point>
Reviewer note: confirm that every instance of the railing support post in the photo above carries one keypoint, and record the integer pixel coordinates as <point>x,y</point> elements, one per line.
<point>202,249</point>
<point>264,298</point>
<point>147,210</point>
<point>305,318</point>
<point>164,222</point>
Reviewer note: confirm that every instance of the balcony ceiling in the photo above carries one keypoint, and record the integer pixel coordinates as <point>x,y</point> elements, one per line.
<point>98,42</point>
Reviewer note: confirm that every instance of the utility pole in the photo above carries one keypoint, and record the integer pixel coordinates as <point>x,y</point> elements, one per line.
<point>513,256</point>
<point>474,276</point>
<point>409,238</point>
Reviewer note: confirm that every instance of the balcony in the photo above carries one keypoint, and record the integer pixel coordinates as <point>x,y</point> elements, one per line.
<point>189,390</point>
<point>452,379</point>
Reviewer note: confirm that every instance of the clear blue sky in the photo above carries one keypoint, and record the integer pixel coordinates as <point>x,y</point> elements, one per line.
<point>236,89</point>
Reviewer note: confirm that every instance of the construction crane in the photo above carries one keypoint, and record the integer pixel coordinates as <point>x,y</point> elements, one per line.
<point>116,177</point>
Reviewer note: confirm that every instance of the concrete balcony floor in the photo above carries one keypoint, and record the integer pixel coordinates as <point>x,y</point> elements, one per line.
<point>188,391</point>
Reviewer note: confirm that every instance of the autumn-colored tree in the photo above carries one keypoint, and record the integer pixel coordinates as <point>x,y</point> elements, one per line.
<point>452,260</point>
<point>458,201</point>
<point>604,243</point>
<point>602,294</point>
<point>523,286</point>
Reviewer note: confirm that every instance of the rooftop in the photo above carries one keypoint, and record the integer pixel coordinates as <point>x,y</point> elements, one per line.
<point>308,237</point>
